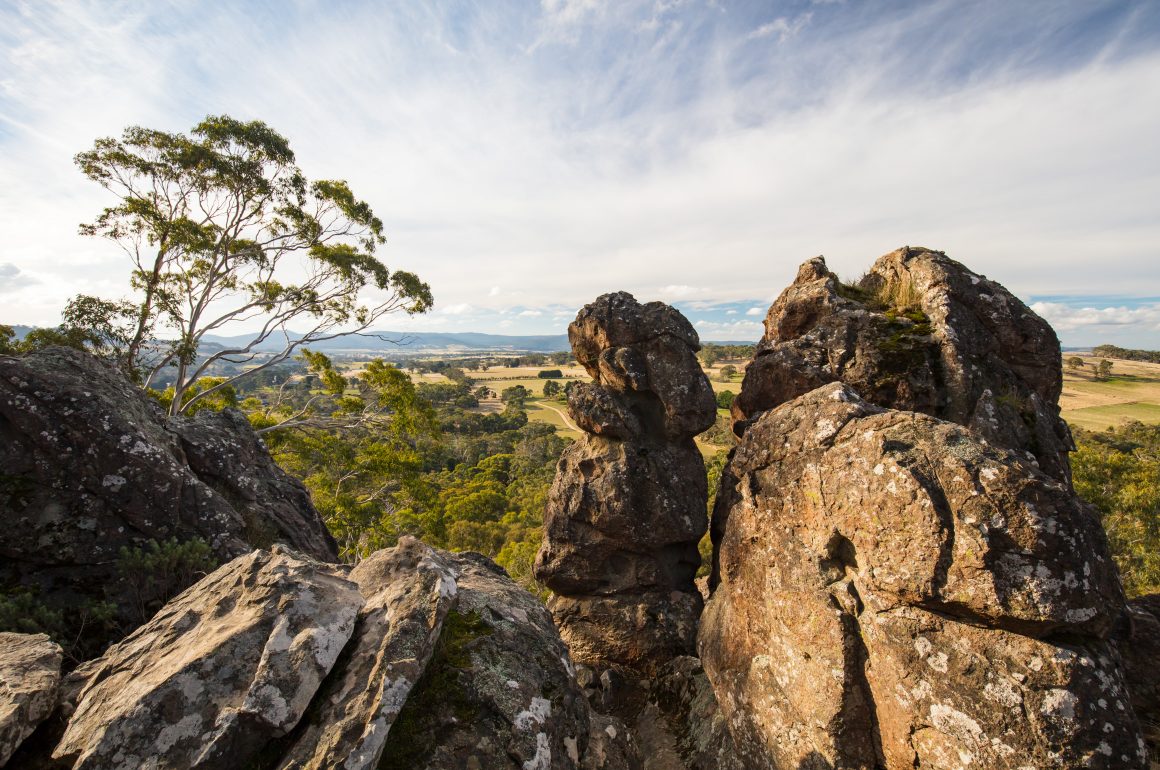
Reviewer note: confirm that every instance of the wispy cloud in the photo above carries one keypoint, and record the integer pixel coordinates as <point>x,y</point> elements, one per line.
<point>13,278</point>
<point>596,146</point>
<point>782,27</point>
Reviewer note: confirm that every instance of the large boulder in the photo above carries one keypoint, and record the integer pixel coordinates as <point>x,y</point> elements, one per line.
<point>219,672</point>
<point>29,680</point>
<point>918,332</point>
<point>499,690</point>
<point>627,507</point>
<point>893,591</point>
<point>93,472</point>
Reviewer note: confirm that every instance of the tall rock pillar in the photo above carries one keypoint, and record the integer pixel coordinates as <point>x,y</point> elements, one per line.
<point>627,507</point>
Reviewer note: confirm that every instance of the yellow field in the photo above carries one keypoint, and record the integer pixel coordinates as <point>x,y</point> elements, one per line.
<point>1132,393</point>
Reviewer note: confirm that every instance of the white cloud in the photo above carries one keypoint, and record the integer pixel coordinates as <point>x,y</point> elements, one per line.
<point>730,312</point>
<point>13,278</point>
<point>531,313</point>
<point>560,172</point>
<point>1065,318</point>
<point>674,292</point>
<point>782,26</point>
<point>731,330</point>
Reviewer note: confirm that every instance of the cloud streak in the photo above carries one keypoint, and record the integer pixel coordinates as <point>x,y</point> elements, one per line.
<point>632,145</point>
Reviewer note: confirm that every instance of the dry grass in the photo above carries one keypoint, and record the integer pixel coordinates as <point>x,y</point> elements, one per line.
<point>1131,393</point>
<point>900,295</point>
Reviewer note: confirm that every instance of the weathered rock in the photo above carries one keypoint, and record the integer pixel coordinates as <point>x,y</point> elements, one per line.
<point>222,670</point>
<point>647,355</point>
<point>29,680</point>
<point>409,590</point>
<point>627,507</point>
<point>684,700</point>
<point>1137,637</point>
<point>600,412</point>
<point>639,630</point>
<point>611,746</point>
<point>920,332</point>
<point>91,466</point>
<point>894,592</point>
<point>499,690</point>
<point>623,518</point>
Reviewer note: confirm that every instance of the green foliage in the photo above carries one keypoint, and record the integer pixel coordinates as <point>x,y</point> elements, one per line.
<point>80,628</point>
<point>727,372</point>
<point>221,395</point>
<point>1103,369</point>
<point>222,228</point>
<point>515,395</point>
<point>1127,354</point>
<point>550,374</point>
<point>725,399</point>
<point>155,572</point>
<point>1075,362</point>
<point>714,467</point>
<point>552,388</point>
<point>1118,471</point>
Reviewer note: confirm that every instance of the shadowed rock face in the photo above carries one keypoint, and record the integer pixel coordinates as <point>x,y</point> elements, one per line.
<point>626,509</point>
<point>895,592</point>
<point>919,332</point>
<point>89,465</point>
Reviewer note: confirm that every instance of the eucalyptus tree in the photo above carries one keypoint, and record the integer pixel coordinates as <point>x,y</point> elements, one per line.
<point>226,235</point>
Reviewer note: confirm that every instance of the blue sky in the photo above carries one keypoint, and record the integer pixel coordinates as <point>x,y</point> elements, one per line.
<point>527,157</point>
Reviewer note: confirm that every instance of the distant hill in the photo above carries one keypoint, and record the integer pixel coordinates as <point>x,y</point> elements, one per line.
<point>418,342</point>
<point>1127,354</point>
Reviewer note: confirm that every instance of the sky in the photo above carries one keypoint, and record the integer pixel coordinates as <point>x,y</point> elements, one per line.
<point>526,157</point>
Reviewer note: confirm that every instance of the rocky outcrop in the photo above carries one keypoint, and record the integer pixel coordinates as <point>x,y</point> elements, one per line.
<point>919,332</point>
<point>222,670</point>
<point>90,469</point>
<point>1137,637</point>
<point>416,658</point>
<point>500,690</point>
<point>627,507</point>
<point>893,591</point>
<point>29,680</point>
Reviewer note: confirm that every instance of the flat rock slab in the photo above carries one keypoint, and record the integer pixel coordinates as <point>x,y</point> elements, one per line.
<point>29,680</point>
<point>409,590</point>
<point>223,668</point>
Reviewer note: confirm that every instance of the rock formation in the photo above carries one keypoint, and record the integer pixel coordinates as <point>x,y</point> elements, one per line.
<point>1137,637</point>
<point>895,592</point>
<point>627,507</point>
<point>29,679</point>
<point>223,669</point>
<point>414,659</point>
<point>919,332</point>
<point>89,466</point>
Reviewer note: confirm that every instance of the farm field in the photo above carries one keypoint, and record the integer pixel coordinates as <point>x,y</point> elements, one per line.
<point>1131,393</point>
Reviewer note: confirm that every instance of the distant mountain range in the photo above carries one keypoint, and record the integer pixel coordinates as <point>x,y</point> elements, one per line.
<point>384,342</point>
<point>417,342</point>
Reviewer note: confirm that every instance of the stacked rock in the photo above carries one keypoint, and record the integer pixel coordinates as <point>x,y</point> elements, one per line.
<point>627,507</point>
